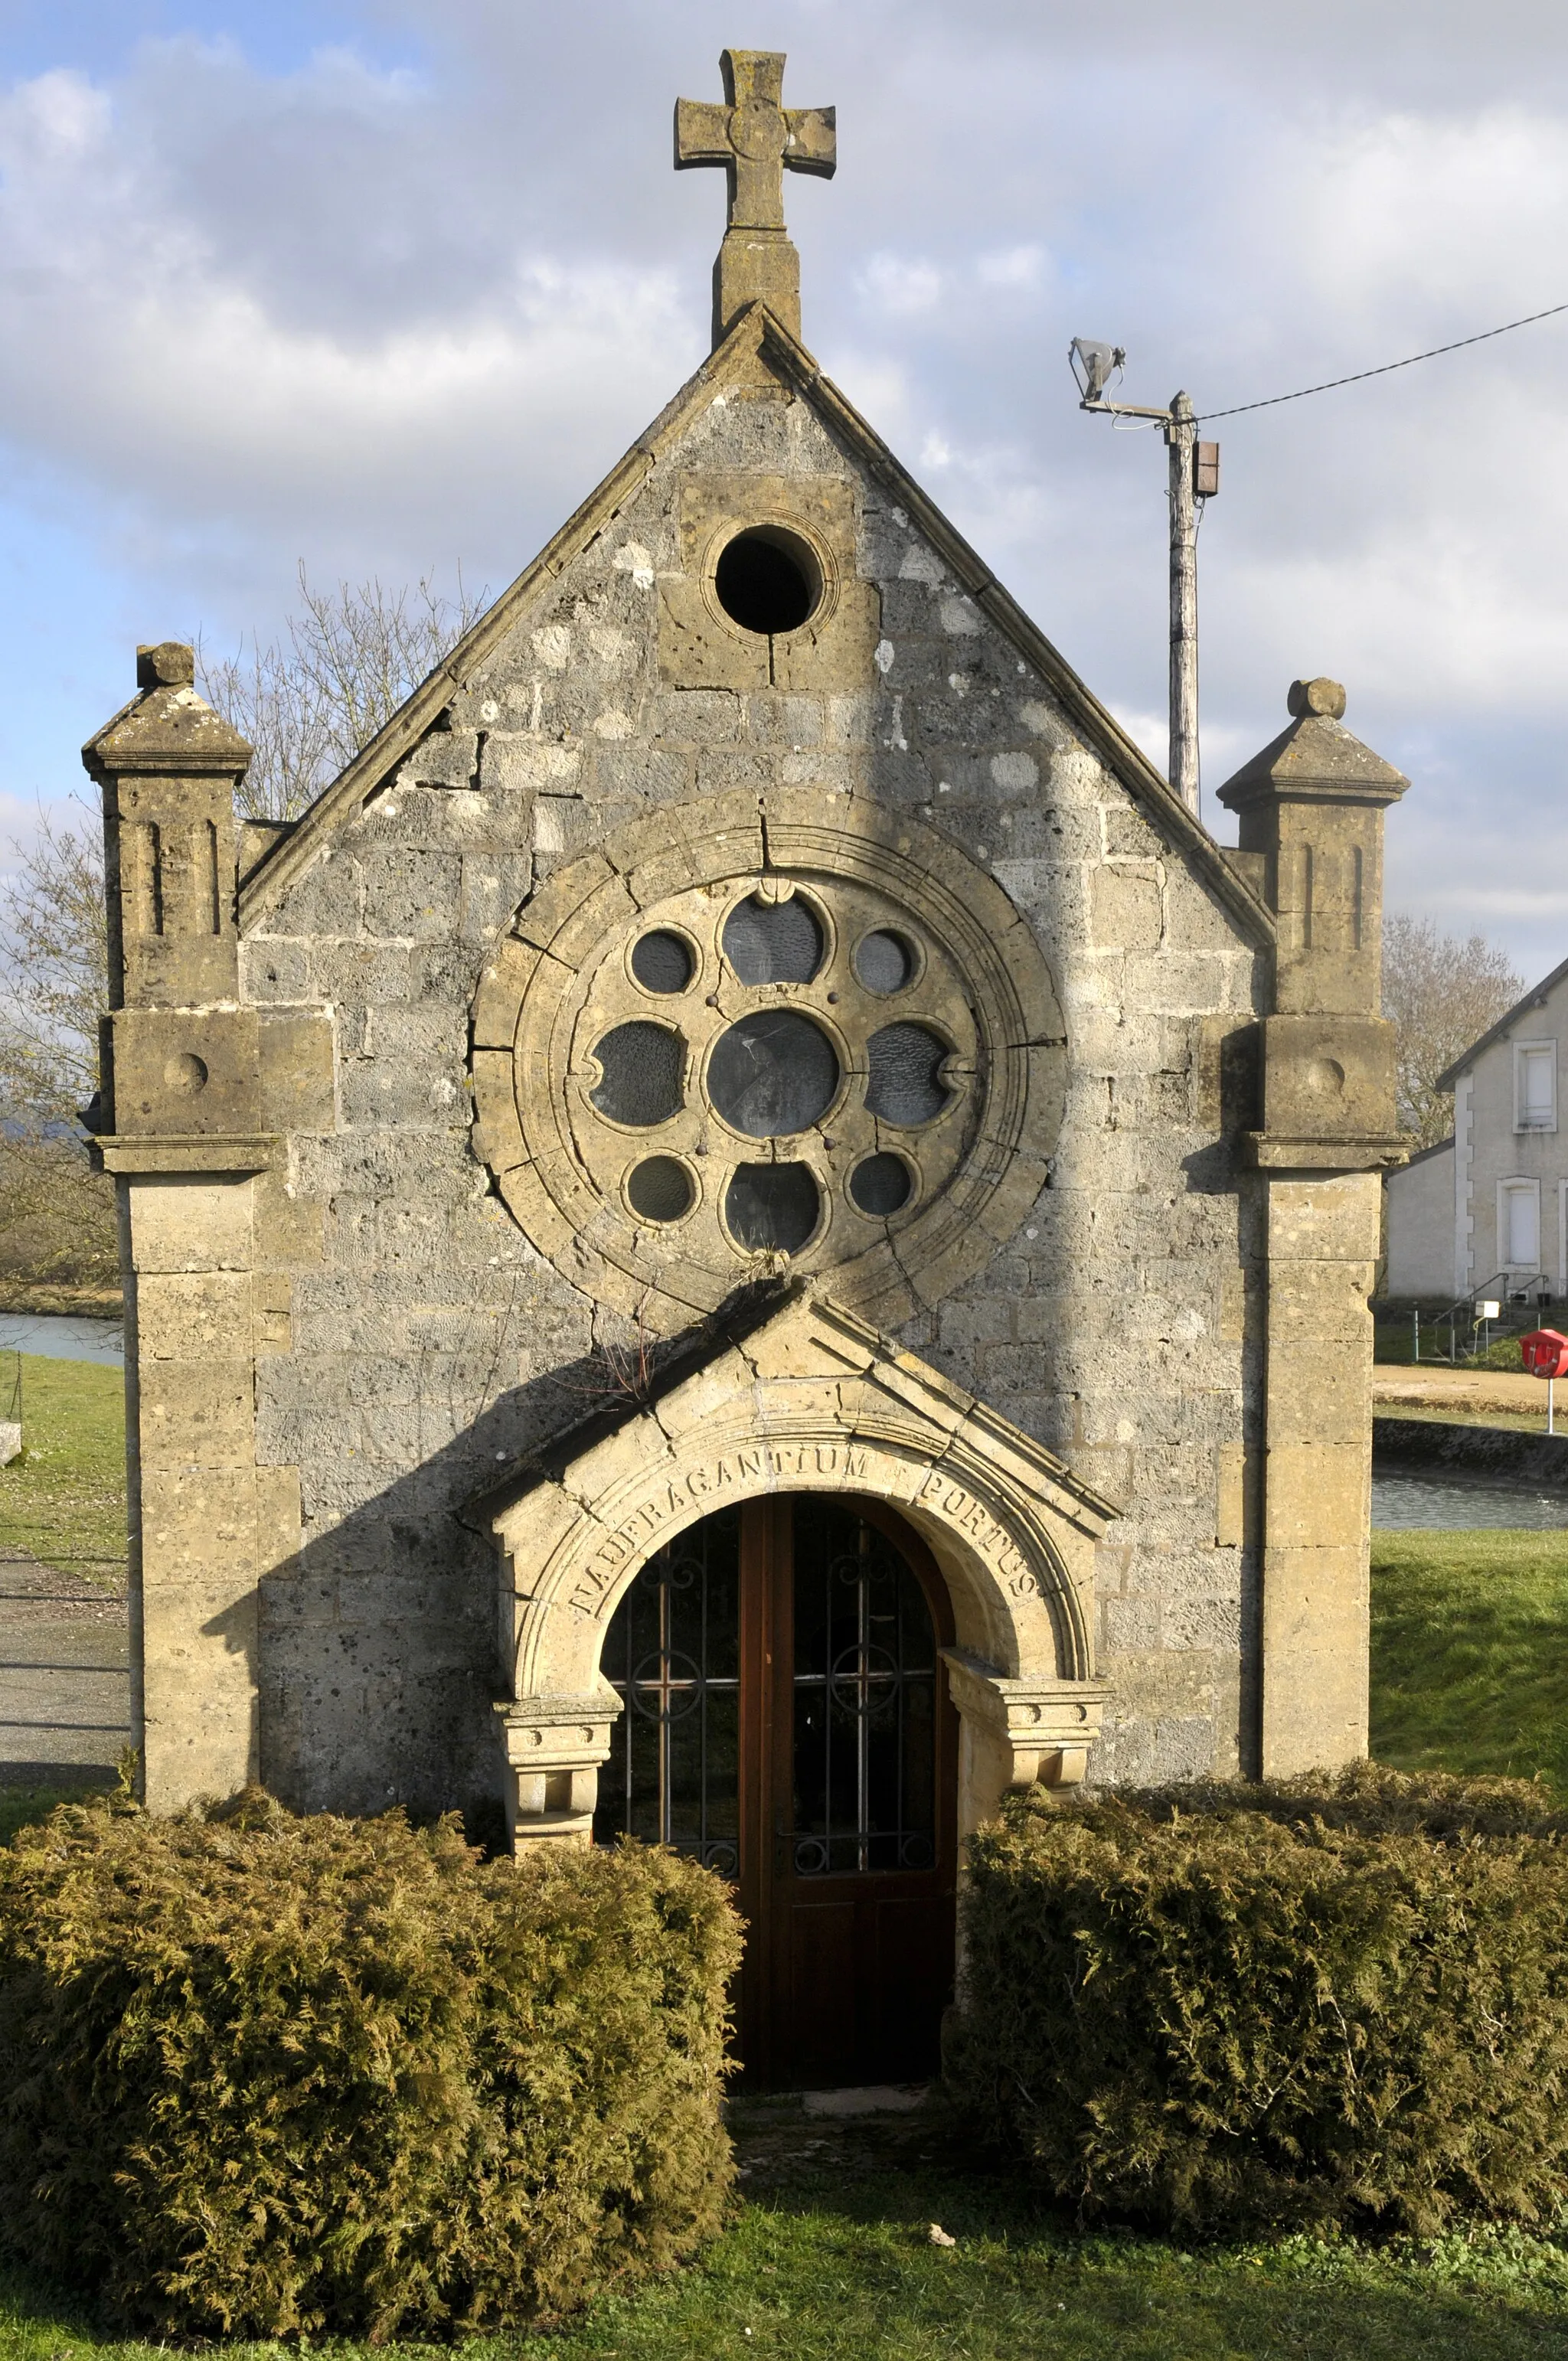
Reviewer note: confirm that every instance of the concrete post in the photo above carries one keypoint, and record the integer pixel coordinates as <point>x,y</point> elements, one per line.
<point>1311,808</point>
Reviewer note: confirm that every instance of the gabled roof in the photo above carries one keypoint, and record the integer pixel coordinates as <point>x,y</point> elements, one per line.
<point>728,1329</point>
<point>165,725</point>
<point>1537,993</point>
<point>1423,1155</point>
<point>793,1336</point>
<point>756,336</point>
<point>1316,758</point>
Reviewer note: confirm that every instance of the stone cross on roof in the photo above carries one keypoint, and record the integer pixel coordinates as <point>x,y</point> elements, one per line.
<point>757,139</point>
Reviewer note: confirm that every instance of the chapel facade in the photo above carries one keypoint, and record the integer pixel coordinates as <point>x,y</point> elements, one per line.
<point>748,1235</point>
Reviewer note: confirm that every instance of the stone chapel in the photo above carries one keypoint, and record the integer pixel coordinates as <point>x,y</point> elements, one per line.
<point>748,1235</point>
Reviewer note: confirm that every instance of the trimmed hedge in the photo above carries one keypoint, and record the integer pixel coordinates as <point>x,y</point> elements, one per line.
<point>1330,2000</point>
<point>262,2075</point>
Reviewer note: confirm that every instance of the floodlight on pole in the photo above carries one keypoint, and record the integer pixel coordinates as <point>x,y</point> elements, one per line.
<point>1093,365</point>
<point>1194,472</point>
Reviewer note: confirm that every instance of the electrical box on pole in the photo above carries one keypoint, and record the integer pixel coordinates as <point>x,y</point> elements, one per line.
<point>1194,477</point>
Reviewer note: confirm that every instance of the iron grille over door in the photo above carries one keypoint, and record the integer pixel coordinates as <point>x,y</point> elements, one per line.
<point>673,1655</point>
<point>865,1701</point>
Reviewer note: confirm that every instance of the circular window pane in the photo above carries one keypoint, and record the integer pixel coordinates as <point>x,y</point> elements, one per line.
<point>661,1189</point>
<point>641,1065</point>
<point>881,1185</point>
<point>773,942</point>
<point>884,961</point>
<point>663,961</point>
<point>771,1207</point>
<point>905,1061</point>
<point>773,1074</point>
<point>767,580</point>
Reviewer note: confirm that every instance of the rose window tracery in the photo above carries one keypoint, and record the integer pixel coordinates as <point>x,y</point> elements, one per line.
<point>777,1064</point>
<point>797,1034</point>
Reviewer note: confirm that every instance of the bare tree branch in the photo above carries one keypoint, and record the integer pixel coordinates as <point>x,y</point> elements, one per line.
<point>53,968</point>
<point>1441,993</point>
<point>309,703</point>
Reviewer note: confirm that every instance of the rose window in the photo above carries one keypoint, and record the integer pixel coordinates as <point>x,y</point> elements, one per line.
<point>800,1034</point>
<point>773,1068</point>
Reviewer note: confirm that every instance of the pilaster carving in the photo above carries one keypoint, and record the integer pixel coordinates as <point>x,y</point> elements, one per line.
<point>1311,806</point>
<point>1044,1728</point>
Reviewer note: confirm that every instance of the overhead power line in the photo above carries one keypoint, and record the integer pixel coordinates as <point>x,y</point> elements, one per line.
<point>1356,375</point>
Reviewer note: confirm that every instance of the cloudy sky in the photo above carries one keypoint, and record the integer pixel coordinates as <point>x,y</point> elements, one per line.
<point>385,285</point>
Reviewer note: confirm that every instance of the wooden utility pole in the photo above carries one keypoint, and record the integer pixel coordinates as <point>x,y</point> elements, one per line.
<point>1180,436</point>
<point>1194,477</point>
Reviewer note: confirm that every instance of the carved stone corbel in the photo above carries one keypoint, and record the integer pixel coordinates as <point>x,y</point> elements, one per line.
<point>1018,1733</point>
<point>554,1746</point>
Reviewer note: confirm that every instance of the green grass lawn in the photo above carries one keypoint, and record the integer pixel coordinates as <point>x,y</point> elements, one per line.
<point>1470,1652</point>
<point>841,2268</point>
<point>64,1501</point>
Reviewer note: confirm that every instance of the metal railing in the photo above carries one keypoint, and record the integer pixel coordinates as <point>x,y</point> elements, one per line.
<point>1506,1288</point>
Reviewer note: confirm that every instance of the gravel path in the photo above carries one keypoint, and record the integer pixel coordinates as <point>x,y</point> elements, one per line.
<point>64,1683</point>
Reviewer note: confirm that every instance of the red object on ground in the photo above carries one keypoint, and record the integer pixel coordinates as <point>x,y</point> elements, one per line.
<point>1545,1353</point>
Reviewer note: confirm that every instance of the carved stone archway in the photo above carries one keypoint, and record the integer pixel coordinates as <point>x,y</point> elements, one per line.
<point>811,1398</point>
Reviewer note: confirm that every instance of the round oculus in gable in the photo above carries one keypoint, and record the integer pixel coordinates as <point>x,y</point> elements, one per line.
<point>773,942</point>
<point>884,961</point>
<point>772,1074</point>
<point>768,580</point>
<point>643,1067</point>
<point>904,1084</point>
<point>772,1208</point>
<point>663,961</point>
<point>882,1184</point>
<point>660,1189</point>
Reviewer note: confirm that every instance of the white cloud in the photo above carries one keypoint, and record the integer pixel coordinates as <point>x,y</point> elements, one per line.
<point>901,287</point>
<point>380,314</point>
<point>1148,730</point>
<point>1013,265</point>
<point>139,354</point>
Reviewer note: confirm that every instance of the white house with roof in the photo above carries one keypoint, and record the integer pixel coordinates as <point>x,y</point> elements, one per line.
<point>1489,1209</point>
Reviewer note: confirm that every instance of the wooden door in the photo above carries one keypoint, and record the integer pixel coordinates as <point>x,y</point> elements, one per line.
<point>786,1721</point>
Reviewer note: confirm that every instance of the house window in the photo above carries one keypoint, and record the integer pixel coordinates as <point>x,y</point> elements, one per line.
<point>1519,1226</point>
<point>1535,1086</point>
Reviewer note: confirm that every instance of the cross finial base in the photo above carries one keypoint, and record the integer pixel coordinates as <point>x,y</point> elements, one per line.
<point>757,139</point>
<point>756,266</point>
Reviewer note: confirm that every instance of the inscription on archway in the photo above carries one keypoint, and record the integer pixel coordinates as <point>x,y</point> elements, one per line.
<point>758,1467</point>
<point>777,1466</point>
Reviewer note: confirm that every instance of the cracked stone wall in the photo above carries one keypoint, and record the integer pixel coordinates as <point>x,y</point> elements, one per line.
<point>428,1341</point>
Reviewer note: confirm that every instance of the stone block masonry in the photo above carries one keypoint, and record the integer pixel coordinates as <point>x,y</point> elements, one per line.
<point>346,1330</point>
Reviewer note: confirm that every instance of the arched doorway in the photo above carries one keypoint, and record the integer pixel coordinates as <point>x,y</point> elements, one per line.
<point>785,1720</point>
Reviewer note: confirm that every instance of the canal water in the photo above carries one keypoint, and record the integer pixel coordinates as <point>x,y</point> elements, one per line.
<point>1406,1500</point>
<point>62,1337</point>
